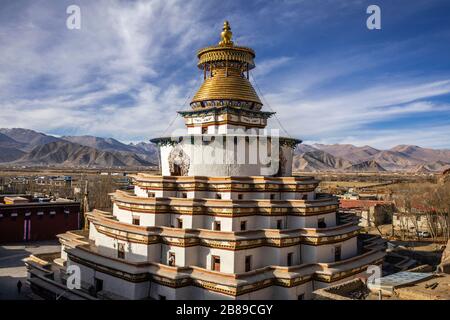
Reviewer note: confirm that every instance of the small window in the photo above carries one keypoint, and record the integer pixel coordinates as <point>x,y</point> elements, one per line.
<point>151,194</point>
<point>240,196</point>
<point>215,263</point>
<point>243,225</point>
<point>179,223</point>
<point>301,296</point>
<point>172,259</point>
<point>162,297</point>
<point>279,224</point>
<point>136,220</point>
<point>184,195</point>
<point>305,197</point>
<point>337,253</point>
<point>321,223</point>
<point>272,196</point>
<point>217,225</point>
<point>248,263</point>
<point>290,257</point>
<point>218,196</point>
<point>121,250</point>
<point>204,130</point>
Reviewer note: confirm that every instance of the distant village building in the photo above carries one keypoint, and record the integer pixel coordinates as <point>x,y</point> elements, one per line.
<point>350,195</point>
<point>214,229</point>
<point>371,212</point>
<point>24,218</point>
<point>55,181</point>
<point>418,223</point>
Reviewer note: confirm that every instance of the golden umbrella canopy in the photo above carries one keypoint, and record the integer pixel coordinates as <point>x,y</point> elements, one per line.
<point>226,70</point>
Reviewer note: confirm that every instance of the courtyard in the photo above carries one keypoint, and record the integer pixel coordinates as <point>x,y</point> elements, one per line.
<point>12,268</point>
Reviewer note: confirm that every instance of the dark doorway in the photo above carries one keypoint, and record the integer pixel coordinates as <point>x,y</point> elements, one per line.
<point>290,259</point>
<point>216,263</point>
<point>172,259</point>
<point>279,224</point>
<point>98,283</point>
<point>337,253</point>
<point>121,250</point>
<point>321,223</point>
<point>248,263</point>
<point>176,170</point>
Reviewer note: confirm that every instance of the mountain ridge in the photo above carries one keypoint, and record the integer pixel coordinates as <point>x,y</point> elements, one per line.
<point>406,158</point>
<point>31,148</point>
<point>65,153</point>
<point>28,147</point>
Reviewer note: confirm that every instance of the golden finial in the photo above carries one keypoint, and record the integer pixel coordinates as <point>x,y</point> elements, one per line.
<point>226,35</point>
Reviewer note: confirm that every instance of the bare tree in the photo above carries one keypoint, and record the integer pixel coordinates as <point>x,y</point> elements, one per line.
<point>99,189</point>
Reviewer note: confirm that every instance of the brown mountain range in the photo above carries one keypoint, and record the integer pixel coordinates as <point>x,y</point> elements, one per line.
<point>23,147</point>
<point>407,158</point>
<point>30,148</point>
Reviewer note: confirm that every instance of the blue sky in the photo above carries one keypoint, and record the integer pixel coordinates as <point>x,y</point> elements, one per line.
<point>133,65</point>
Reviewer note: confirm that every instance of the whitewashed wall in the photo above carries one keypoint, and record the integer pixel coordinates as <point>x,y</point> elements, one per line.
<point>230,224</point>
<point>206,162</point>
<point>325,253</point>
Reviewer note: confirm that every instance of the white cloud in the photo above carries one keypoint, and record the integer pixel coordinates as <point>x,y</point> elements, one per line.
<point>267,66</point>
<point>352,110</point>
<point>132,65</point>
<point>54,79</point>
<point>388,138</point>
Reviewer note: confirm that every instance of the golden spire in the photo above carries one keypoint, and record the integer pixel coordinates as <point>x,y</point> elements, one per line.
<point>226,35</point>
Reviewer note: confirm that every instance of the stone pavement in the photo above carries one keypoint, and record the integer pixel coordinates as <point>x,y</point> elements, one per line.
<point>12,268</point>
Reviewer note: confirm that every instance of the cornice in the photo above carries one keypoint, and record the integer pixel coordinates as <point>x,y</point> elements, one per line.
<point>234,284</point>
<point>220,239</point>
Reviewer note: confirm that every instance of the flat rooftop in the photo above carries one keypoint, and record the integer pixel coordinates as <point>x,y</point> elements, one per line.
<point>435,288</point>
<point>15,200</point>
<point>432,286</point>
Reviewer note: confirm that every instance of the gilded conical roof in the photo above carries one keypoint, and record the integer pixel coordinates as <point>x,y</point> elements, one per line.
<point>231,87</point>
<point>226,69</point>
